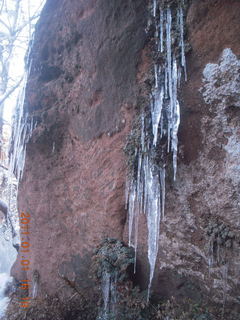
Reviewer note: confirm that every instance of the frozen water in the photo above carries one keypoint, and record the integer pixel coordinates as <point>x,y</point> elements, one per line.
<point>154,7</point>
<point>109,291</point>
<point>145,191</point>
<point>183,59</point>
<point>161,32</point>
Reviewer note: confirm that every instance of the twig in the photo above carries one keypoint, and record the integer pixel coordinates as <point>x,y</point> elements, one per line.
<point>10,91</point>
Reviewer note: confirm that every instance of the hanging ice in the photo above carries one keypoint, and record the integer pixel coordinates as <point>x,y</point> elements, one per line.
<point>162,182</point>
<point>161,32</point>
<point>109,291</point>
<point>183,59</point>
<point>145,191</point>
<point>21,134</point>
<point>153,218</point>
<point>154,7</point>
<point>22,131</point>
<point>157,112</point>
<point>175,118</point>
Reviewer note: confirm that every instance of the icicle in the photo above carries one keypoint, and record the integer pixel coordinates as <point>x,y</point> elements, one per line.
<point>109,292</point>
<point>210,254</point>
<point>161,127</point>
<point>146,190</point>
<point>161,32</point>
<point>142,133</point>
<point>154,7</point>
<point>156,75</point>
<point>176,122</point>
<point>106,278</point>
<point>35,281</point>
<point>139,177</point>
<point>131,210</point>
<point>31,128</point>
<point>53,147</point>
<point>175,118</point>
<point>163,192</point>
<point>179,76</point>
<point>136,238</point>
<point>113,294</point>
<point>153,220</point>
<point>169,69</point>
<point>145,170</point>
<point>22,128</point>
<point>169,54</point>
<point>157,112</point>
<point>127,191</point>
<point>183,59</point>
<point>35,288</point>
<point>225,280</point>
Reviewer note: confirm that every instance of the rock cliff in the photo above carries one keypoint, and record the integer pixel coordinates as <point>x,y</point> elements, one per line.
<point>91,62</point>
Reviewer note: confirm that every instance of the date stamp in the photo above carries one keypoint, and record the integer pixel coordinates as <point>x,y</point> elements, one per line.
<point>25,219</point>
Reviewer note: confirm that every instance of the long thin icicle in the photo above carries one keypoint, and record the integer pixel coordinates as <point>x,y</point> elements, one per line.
<point>175,118</point>
<point>153,219</point>
<point>183,59</point>
<point>154,7</point>
<point>161,32</point>
<point>156,113</point>
<point>169,71</point>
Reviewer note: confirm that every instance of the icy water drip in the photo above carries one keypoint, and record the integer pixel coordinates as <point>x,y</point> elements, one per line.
<point>145,190</point>
<point>35,284</point>
<point>109,292</point>
<point>112,262</point>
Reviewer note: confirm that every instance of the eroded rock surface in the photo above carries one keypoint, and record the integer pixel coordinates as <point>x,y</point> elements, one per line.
<point>83,88</point>
<point>200,236</point>
<point>82,92</point>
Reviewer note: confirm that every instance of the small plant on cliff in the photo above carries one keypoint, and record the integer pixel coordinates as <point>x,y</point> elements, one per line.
<point>111,266</point>
<point>112,256</point>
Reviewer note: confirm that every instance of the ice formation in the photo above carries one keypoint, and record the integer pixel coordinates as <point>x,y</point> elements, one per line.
<point>146,184</point>
<point>22,131</point>
<point>109,291</point>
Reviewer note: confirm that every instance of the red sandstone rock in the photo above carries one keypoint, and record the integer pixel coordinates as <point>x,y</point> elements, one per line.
<point>83,89</point>
<point>83,92</point>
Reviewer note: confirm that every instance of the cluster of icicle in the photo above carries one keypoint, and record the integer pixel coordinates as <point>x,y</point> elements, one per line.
<point>22,131</point>
<point>145,190</point>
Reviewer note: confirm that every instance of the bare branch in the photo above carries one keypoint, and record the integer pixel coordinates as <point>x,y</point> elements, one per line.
<point>9,92</point>
<point>26,23</point>
<point>5,25</point>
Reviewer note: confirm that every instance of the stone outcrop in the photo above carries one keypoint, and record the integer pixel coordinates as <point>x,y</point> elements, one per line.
<point>89,62</point>
<point>82,93</point>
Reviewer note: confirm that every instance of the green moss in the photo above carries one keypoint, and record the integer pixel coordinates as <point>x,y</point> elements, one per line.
<point>220,233</point>
<point>113,257</point>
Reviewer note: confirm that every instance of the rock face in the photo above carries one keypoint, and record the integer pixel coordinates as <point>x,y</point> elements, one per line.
<point>202,207</point>
<point>82,92</point>
<point>84,87</point>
